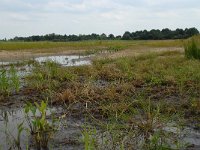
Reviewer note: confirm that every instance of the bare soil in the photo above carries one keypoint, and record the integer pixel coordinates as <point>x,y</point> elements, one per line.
<point>25,55</point>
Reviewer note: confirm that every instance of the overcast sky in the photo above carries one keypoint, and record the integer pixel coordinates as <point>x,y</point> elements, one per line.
<point>37,17</point>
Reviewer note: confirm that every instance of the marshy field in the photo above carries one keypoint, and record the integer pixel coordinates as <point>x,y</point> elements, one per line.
<point>100,95</point>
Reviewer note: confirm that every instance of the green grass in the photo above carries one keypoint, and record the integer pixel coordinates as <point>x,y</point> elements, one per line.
<point>87,45</point>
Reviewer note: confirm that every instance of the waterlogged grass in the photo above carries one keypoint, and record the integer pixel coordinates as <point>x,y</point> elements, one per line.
<point>48,76</point>
<point>137,125</point>
<point>129,101</point>
<point>135,102</point>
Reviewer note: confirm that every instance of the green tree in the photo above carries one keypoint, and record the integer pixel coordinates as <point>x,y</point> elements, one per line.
<point>126,36</point>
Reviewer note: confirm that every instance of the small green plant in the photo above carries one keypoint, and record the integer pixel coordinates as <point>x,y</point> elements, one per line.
<point>40,128</point>
<point>88,138</point>
<point>14,79</point>
<point>192,50</point>
<point>9,80</point>
<point>4,82</point>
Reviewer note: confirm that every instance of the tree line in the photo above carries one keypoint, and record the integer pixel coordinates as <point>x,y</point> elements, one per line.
<point>154,34</point>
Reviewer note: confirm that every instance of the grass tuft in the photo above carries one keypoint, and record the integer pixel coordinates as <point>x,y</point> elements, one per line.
<point>192,50</point>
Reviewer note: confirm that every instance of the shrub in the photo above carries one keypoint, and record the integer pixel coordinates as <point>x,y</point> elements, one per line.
<point>192,50</point>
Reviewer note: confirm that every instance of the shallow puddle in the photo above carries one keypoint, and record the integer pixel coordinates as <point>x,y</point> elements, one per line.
<point>187,134</point>
<point>68,60</point>
<point>67,137</point>
<point>69,134</point>
<point>71,60</point>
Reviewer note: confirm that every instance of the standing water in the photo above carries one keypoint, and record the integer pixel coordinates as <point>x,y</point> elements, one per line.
<point>71,60</point>
<point>66,61</point>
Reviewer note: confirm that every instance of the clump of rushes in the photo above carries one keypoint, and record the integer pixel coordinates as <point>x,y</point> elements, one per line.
<point>40,128</point>
<point>192,50</point>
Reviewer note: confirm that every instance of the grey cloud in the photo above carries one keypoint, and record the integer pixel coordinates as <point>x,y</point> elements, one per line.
<point>28,17</point>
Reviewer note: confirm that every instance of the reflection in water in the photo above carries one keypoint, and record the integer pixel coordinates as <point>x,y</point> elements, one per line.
<point>9,131</point>
<point>9,120</point>
<point>71,60</point>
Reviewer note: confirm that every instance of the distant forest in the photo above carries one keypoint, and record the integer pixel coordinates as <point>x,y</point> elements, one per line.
<point>153,34</point>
